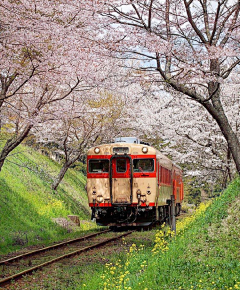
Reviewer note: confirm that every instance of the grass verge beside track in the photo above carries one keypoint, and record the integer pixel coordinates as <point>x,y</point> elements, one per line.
<point>204,255</point>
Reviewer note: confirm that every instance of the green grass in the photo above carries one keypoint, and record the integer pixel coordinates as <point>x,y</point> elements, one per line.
<point>28,205</point>
<point>205,255</point>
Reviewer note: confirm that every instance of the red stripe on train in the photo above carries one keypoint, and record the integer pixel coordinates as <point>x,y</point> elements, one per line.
<point>110,205</point>
<point>135,175</point>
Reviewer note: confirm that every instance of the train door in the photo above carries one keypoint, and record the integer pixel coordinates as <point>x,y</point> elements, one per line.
<point>121,180</point>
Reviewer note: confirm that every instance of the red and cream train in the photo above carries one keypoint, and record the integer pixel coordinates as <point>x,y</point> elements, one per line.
<point>131,183</point>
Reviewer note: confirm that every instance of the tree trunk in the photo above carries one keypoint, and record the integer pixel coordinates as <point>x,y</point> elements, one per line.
<point>213,105</point>
<point>62,172</point>
<point>229,164</point>
<point>60,176</point>
<point>12,143</point>
<point>227,176</point>
<point>218,114</point>
<point>215,108</point>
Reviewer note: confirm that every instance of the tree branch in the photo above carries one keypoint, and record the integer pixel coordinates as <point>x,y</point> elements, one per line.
<point>193,24</point>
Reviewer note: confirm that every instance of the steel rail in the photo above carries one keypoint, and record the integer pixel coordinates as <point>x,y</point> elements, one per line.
<point>51,247</point>
<point>30,270</point>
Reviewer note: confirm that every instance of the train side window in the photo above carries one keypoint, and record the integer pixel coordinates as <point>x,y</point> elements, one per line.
<point>121,165</point>
<point>165,175</point>
<point>159,172</point>
<point>143,165</point>
<point>163,170</point>
<point>98,166</point>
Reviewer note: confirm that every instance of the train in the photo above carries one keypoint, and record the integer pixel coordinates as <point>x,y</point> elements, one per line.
<point>130,183</point>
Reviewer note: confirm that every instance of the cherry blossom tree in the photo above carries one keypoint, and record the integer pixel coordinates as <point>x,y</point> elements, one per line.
<point>192,47</point>
<point>196,142</point>
<point>185,132</point>
<point>47,52</point>
<point>23,114</point>
<point>78,123</point>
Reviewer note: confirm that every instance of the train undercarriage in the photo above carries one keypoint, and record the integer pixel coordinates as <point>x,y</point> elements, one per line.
<point>132,215</point>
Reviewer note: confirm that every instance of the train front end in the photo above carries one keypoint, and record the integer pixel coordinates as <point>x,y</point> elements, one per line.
<point>121,184</point>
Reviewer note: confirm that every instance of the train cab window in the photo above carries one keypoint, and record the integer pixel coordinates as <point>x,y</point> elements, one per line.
<point>121,165</point>
<point>98,166</point>
<point>143,165</point>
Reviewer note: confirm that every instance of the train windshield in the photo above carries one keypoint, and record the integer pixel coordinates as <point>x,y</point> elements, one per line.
<point>121,165</point>
<point>143,165</point>
<point>98,166</point>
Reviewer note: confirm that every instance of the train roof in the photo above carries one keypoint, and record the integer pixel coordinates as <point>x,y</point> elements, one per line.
<point>111,148</point>
<point>133,149</point>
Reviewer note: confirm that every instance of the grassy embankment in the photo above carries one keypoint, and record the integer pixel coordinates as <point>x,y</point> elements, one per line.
<point>28,205</point>
<point>204,255</point>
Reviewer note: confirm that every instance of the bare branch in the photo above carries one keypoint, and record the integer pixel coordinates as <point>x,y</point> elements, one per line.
<point>67,94</point>
<point>193,24</point>
<point>227,72</point>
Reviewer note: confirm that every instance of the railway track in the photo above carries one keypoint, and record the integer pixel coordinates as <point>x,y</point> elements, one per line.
<point>16,267</point>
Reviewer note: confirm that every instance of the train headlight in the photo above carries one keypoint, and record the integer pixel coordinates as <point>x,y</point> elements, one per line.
<point>143,198</point>
<point>148,192</point>
<point>144,149</point>
<point>96,150</point>
<point>94,192</point>
<point>99,198</point>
